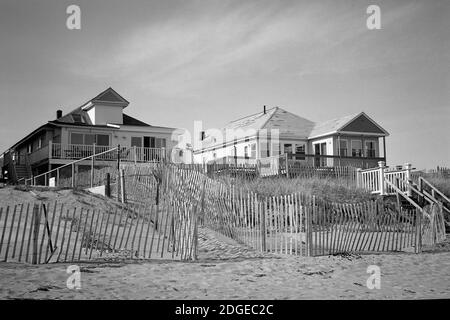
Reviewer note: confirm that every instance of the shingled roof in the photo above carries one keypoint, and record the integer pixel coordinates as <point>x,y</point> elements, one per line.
<point>85,120</point>
<point>79,116</point>
<point>289,125</point>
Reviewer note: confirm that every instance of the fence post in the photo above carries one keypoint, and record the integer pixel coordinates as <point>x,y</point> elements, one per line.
<point>108,185</point>
<point>287,165</point>
<point>35,233</point>
<point>118,157</point>
<point>57,178</point>
<point>122,186</point>
<point>92,166</point>
<point>359,178</point>
<point>381,165</point>
<point>418,244</point>
<point>408,177</point>
<point>262,210</point>
<point>73,176</point>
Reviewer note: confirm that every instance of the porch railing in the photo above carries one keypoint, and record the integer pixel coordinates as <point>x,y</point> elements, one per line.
<point>375,179</point>
<point>135,154</point>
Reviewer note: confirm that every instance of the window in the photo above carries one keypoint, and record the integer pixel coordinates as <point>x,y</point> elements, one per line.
<point>160,143</point>
<point>343,146</point>
<point>370,149</point>
<point>76,138</point>
<point>356,148</point>
<point>77,118</point>
<point>102,140</point>
<point>300,152</point>
<point>40,142</point>
<point>30,148</point>
<point>136,142</point>
<point>89,139</point>
<point>246,151</point>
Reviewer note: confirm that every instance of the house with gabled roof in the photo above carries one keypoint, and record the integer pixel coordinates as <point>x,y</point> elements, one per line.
<point>97,125</point>
<point>353,140</point>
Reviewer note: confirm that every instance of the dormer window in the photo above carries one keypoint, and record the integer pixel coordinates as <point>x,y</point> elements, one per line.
<point>77,118</point>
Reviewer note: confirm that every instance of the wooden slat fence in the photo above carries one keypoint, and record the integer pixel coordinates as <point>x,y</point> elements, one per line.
<point>363,227</point>
<point>50,232</point>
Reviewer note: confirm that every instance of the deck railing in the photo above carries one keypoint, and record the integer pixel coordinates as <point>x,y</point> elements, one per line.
<point>374,179</point>
<point>77,151</point>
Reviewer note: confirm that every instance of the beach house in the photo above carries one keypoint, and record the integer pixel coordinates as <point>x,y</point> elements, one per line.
<point>94,127</point>
<point>353,140</point>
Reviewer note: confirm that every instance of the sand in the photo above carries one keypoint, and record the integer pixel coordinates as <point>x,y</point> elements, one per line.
<point>227,270</point>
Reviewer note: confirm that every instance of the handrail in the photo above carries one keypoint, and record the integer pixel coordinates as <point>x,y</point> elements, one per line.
<point>426,196</point>
<point>72,163</point>
<point>435,189</point>
<point>393,186</point>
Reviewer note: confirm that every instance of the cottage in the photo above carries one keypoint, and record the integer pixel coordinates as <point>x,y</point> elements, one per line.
<point>354,140</point>
<point>94,127</point>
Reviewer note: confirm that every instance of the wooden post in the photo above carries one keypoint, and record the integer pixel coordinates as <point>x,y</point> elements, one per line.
<point>408,178</point>
<point>359,178</point>
<point>381,165</point>
<point>135,155</point>
<point>35,233</point>
<point>73,176</point>
<point>92,166</point>
<point>122,186</point>
<point>287,165</point>
<point>57,178</point>
<point>418,244</point>
<point>108,185</point>
<point>163,155</point>
<point>118,157</point>
<point>262,210</point>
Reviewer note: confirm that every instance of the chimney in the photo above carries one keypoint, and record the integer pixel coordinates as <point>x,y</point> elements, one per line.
<point>264,109</point>
<point>58,114</point>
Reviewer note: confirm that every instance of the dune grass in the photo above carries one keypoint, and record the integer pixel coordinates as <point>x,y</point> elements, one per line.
<point>441,183</point>
<point>330,189</point>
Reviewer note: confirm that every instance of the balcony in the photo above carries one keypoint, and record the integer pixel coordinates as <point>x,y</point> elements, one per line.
<point>77,151</point>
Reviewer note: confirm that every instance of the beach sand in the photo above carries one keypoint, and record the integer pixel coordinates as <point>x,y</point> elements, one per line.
<point>227,270</point>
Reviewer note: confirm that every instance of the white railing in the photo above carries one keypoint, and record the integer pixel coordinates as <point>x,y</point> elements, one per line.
<point>93,156</point>
<point>134,154</point>
<point>77,151</point>
<point>374,180</point>
<point>140,154</point>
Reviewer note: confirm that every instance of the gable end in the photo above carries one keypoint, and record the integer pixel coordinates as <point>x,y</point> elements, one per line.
<point>363,124</point>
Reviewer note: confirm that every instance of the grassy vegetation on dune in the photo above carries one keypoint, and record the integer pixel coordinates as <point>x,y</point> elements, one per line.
<point>443,184</point>
<point>336,190</point>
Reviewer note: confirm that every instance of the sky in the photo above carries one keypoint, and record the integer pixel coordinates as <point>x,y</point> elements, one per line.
<point>216,61</point>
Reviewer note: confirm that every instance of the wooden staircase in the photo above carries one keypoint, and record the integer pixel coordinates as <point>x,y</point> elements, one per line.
<point>22,172</point>
<point>433,205</point>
